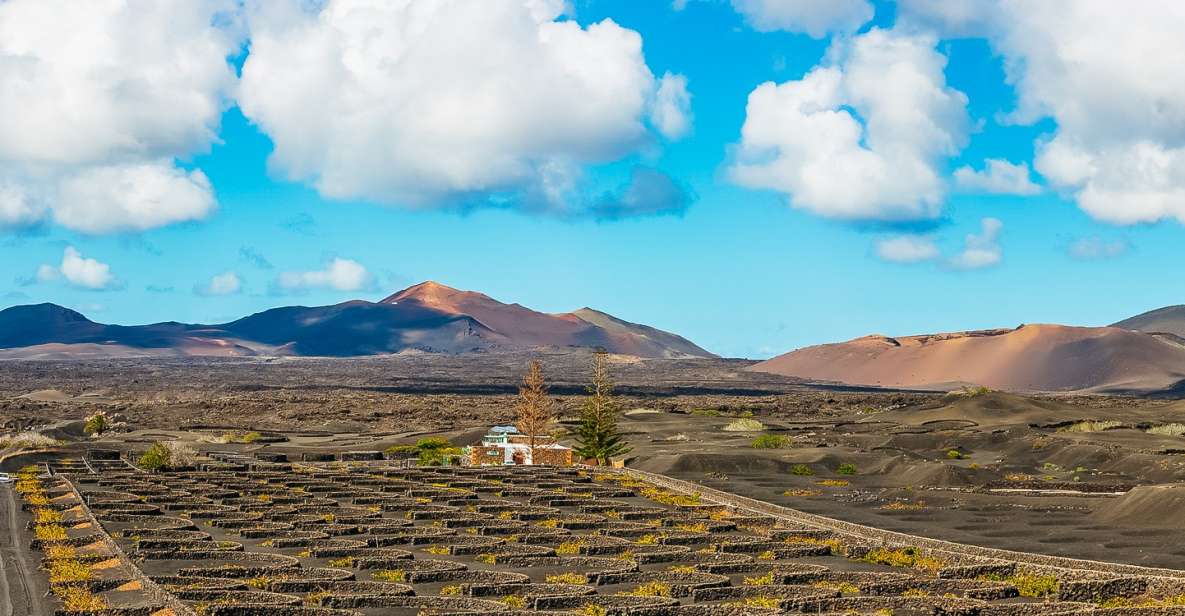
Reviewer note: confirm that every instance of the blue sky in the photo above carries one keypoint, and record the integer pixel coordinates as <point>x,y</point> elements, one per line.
<point>745,266</point>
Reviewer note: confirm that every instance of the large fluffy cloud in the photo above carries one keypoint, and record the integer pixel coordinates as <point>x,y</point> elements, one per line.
<point>880,162</point>
<point>110,90</point>
<point>815,18</point>
<point>1109,75</point>
<point>131,197</point>
<point>444,101</point>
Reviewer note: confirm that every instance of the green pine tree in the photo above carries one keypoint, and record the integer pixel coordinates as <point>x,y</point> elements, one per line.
<point>596,436</point>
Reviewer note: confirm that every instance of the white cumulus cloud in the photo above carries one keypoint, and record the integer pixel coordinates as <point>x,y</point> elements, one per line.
<point>980,249</point>
<point>132,197</point>
<point>227,283</point>
<point>815,18</point>
<point>1109,75</point>
<point>108,88</point>
<point>79,271</point>
<point>671,111</point>
<point>442,101</point>
<point>18,208</point>
<point>860,138</point>
<point>907,249</point>
<point>998,177</point>
<point>339,275</point>
<point>47,273</point>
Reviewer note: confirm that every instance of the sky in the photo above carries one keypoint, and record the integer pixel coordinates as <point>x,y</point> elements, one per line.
<point>756,175</point>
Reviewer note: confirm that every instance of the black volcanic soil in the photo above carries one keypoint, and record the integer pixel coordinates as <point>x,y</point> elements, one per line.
<point>1020,480</point>
<point>392,393</point>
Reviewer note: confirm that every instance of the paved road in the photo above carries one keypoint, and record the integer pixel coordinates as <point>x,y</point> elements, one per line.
<point>22,587</point>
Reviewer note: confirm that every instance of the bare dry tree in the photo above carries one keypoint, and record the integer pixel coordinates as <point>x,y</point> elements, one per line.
<point>534,414</point>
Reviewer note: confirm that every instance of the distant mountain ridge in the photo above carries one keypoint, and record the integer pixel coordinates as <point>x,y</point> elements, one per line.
<point>427,317</point>
<point>1167,320</point>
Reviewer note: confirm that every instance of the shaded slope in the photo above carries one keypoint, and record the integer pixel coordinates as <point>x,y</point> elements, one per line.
<point>361,328</point>
<point>49,330</point>
<point>1167,320</point>
<point>648,341</point>
<point>1028,358</point>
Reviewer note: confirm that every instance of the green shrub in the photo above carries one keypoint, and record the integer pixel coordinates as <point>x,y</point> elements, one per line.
<point>846,469</point>
<point>238,436</point>
<point>954,454</point>
<point>972,391</point>
<point>771,441</point>
<point>96,424</point>
<point>156,458</point>
<point>801,470</point>
<point>1029,584</point>
<point>401,450</point>
<point>432,442</point>
<point>438,456</point>
<point>745,425</point>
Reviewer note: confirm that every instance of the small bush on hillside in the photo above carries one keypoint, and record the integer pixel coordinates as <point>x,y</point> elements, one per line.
<point>155,459</point>
<point>954,454</point>
<point>1173,429</point>
<point>745,425</point>
<point>432,442</point>
<point>771,441</point>
<point>96,424</point>
<point>1092,426</point>
<point>27,440</point>
<point>401,451</point>
<point>801,470</point>
<point>972,391</point>
<point>1028,584</point>
<point>239,437</point>
<point>846,469</point>
<point>438,457</point>
<point>166,455</point>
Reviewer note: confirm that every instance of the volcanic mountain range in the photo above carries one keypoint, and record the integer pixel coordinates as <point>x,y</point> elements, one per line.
<point>1145,353</point>
<point>426,317</point>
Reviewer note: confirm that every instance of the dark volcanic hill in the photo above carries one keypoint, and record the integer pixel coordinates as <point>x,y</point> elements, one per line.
<point>427,317</point>
<point>1167,320</point>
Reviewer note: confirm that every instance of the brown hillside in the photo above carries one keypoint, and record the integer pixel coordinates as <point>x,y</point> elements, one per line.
<point>1028,358</point>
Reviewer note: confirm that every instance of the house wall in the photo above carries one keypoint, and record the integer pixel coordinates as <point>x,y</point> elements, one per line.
<point>494,455</point>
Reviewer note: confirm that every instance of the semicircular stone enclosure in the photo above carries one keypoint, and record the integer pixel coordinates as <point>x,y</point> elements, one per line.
<point>376,538</point>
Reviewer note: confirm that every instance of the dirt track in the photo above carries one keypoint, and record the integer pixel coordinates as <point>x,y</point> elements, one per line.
<point>22,588</point>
